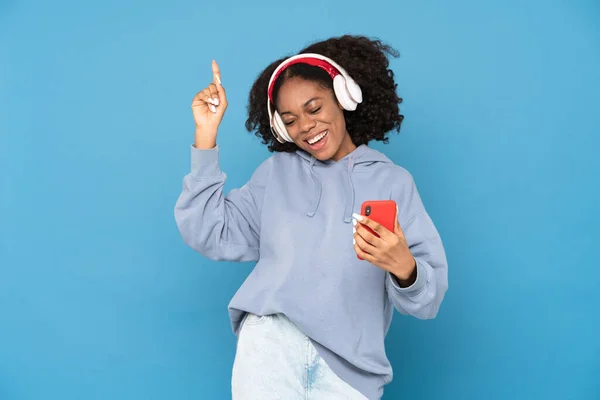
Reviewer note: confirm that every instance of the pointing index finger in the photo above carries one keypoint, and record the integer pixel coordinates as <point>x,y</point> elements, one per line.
<point>216,74</point>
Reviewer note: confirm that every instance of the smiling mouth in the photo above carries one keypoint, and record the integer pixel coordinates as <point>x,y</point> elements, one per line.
<point>316,139</point>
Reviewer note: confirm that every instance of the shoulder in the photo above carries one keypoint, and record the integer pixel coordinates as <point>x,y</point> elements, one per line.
<point>399,179</point>
<point>282,157</point>
<point>403,190</point>
<point>272,163</point>
<point>285,162</point>
<point>278,158</point>
<point>400,173</point>
<point>395,173</point>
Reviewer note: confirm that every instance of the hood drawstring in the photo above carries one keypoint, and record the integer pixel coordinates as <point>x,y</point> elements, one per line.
<point>317,192</point>
<point>349,193</point>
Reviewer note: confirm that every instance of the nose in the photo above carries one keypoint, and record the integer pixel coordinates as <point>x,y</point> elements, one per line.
<point>306,123</point>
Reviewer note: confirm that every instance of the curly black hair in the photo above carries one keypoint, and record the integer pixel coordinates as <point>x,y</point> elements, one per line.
<point>366,62</point>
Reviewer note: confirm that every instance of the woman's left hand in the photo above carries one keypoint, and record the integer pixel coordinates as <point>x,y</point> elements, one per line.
<point>389,251</point>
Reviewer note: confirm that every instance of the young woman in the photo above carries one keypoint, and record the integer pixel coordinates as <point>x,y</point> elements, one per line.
<point>312,316</point>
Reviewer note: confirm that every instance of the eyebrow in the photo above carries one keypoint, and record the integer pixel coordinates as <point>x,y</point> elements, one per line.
<point>305,104</point>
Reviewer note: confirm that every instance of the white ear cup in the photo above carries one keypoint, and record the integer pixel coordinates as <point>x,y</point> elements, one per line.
<point>342,94</point>
<point>276,135</point>
<point>277,126</point>
<point>354,90</point>
<point>280,127</point>
<point>350,85</point>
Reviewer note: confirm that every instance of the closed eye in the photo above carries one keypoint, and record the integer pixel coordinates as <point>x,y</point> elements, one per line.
<point>315,111</point>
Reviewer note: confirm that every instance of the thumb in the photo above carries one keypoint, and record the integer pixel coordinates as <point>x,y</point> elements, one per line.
<point>397,229</point>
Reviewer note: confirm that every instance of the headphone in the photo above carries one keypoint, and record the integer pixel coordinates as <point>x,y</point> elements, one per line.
<point>346,90</point>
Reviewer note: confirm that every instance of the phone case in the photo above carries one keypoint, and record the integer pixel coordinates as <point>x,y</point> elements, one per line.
<point>380,211</point>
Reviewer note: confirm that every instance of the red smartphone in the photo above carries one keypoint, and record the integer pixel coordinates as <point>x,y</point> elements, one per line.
<point>380,211</point>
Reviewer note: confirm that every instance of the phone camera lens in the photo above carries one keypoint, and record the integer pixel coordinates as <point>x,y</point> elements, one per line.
<point>368,210</point>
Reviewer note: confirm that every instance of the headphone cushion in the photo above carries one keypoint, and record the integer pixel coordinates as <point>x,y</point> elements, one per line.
<point>341,92</point>
<point>280,127</point>
<point>354,90</point>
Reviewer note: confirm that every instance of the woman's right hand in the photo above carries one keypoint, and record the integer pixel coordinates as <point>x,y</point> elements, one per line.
<point>208,108</point>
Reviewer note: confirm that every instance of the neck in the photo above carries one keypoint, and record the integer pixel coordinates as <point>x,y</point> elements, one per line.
<point>346,147</point>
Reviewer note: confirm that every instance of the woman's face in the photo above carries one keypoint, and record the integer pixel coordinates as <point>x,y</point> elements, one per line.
<point>314,119</point>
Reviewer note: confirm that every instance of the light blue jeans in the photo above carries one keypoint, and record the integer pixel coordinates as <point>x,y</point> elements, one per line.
<point>275,360</point>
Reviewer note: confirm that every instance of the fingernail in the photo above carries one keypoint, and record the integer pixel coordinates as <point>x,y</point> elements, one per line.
<point>354,222</point>
<point>219,79</point>
<point>353,230</point>
<point>216,101</point>
<point>358,217</point>
<point>213,108</point>
<point>211,101</point>
<point>353,241</point>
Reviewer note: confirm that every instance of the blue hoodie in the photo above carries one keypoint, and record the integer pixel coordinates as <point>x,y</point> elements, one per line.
<point>294,218</point>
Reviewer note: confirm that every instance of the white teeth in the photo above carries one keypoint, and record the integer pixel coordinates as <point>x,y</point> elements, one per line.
<point>317,138</point>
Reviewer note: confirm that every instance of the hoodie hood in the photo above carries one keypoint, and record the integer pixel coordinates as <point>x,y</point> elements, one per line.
<point>362,156</point>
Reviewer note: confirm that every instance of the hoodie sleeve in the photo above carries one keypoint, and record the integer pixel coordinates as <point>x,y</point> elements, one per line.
<point>220,227</point>
<point>423,298</point>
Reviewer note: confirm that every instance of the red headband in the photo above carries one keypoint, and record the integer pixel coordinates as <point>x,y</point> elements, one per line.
<point>324,65</point>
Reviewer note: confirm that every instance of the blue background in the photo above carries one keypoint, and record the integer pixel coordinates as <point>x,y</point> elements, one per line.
<point>100,298</point>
